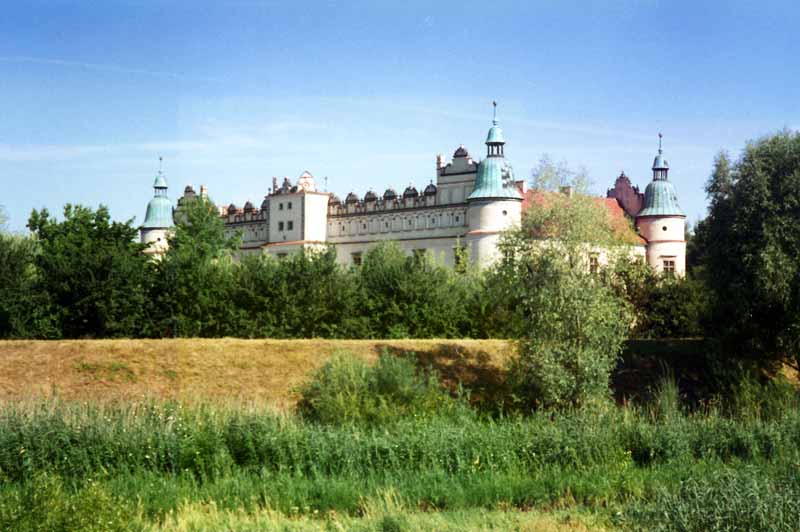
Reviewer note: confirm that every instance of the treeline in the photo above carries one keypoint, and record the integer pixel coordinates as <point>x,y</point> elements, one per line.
<point>85,276</point>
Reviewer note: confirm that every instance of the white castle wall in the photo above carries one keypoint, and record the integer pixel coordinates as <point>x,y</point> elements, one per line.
<point>665,241</point>
<point>487,220</point>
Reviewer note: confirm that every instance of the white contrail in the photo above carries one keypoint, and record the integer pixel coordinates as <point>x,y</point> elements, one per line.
<point>103,68</point>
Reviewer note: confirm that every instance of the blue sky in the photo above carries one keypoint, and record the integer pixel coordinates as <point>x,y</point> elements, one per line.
<point>367,93</point>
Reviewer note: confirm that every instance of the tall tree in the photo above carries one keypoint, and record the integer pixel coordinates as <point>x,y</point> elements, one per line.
<point>194,287</point>
<point>751,250</point>
<point>550,176</point>
<point>570,324</point>
<point>93,271</point>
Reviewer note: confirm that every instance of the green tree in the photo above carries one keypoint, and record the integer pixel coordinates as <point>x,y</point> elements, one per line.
<point>406,296</point>
<point>25,310</point>
<point>570,323</point>
<point>551,176</point>
<point>193,292</point>
<point>304,295</point>
<point>93,271</point>
<point>750,250</point>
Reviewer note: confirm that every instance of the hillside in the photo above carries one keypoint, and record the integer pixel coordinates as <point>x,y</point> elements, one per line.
<point>258,371</point>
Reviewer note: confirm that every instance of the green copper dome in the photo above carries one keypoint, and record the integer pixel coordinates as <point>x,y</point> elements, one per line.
<point>159,214</point>
<point>495,179</point>
<point>159,209</point>
<point>495,135</point>
<point>660,199</point>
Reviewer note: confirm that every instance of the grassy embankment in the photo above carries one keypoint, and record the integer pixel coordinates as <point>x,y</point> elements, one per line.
<point>209,463</point>
<point>260,371</point>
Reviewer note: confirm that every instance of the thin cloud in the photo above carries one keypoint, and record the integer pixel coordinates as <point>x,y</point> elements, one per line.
<point>105,68</point>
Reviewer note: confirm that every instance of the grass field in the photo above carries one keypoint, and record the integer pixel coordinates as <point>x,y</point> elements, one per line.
<point>195,435</point>
<point>258,371</point>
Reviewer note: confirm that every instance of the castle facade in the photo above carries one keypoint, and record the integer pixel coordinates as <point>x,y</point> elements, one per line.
<point>462,213</point>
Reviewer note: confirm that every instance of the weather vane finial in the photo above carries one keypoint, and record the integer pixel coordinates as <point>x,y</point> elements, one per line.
<point>494,111</point>
<point>160,161</point>
<point>659,141</point>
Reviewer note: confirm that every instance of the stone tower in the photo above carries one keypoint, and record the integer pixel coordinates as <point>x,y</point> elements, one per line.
<point>495,203</point>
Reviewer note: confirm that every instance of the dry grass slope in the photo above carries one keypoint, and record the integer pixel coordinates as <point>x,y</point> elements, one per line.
<point>263,372</point>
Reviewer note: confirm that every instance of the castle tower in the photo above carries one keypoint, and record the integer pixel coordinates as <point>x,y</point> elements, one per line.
<point>662,222</point>
<point>158,220</point>
<point>495,203</point>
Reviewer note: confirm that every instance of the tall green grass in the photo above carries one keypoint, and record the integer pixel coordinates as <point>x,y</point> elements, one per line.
<point>78,466</point>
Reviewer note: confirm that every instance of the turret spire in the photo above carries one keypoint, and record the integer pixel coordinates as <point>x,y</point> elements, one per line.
<point>660,165</point>
<point>494,140</point>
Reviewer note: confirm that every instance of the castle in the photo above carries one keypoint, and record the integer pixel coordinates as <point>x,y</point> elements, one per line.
<point>471,203</point>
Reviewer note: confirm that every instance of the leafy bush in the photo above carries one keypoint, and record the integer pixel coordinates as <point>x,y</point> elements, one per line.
<point>45,504</point>
<point>347,390</point>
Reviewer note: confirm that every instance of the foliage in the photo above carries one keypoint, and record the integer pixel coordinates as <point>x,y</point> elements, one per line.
<point>25,310</point>
<point>45,504</point>
<point>628,464</point>
<point>194,278</point>
<point>407,296</point>
<point>571,325</point>
<point>92,270</point>
<point>750,250</point>
<point>306,294</point>
<point>347,390</point>
<point>551,176</point>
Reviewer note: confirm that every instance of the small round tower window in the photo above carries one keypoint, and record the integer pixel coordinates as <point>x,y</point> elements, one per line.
<point>505,213</point>
<point>664,228</point>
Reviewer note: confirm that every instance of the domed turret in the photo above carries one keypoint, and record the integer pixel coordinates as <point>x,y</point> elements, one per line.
<point>461,151</point>
<point>370,196</point>
<point>389,195</point>
<point>158,219</point>
<point>495,203</point>
<point>334,200</point>
<point>430,190</point>
<point>495,177</point>
<point>248,207</point>
<point>159,209</point>
<point>660,198</point>
<point>661,222</point>
<point>265,204</point>
<point>351,198</point>
<point>232,209</point>
<point>410,192</point>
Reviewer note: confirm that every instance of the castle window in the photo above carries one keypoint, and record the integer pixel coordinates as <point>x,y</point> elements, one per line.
<point>458,219</point>
<point>280,226</point>
<point>664,228</point>
<point>505,213</point>
<point>290,224</point>
<point>669,267</point>
<point>280,206</point>
<point>356,257</point>
<point>289,205</point>
<point>594,263</point>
